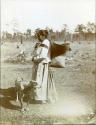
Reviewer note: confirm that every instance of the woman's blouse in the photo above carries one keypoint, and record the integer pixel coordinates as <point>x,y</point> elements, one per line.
<point>45,51</point>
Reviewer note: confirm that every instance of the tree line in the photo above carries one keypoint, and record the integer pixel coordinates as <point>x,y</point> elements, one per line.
<point>81,33</point>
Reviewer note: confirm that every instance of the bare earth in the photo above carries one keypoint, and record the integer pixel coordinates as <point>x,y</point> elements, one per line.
<point>75,86</point>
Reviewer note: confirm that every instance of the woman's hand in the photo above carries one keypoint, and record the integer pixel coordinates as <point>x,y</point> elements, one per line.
<point>37,60</point>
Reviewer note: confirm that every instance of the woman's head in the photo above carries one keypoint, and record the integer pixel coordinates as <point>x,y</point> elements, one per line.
<point>41,35</point>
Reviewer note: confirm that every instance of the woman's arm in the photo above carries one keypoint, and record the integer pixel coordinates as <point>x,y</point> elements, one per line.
<point>37,60</point>
<point>43,54</point>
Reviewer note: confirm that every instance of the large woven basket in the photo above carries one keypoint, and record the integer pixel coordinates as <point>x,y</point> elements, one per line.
<point>59,49</point>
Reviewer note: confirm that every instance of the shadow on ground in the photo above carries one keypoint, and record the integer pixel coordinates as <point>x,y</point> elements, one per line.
<point>6,96</point>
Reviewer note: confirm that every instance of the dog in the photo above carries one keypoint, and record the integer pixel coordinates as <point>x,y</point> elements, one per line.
<point>25,88</point>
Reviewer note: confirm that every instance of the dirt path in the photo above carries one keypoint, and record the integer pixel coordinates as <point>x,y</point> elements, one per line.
<point>75,87</point>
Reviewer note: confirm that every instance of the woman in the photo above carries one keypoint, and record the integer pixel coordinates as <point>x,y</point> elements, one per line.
<point>41,73</point>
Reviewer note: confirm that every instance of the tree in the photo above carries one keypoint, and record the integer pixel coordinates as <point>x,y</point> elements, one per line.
<point>64,32</point>
<point>80,31</point>
<point>91,31</point>
<point>80,28</point>
<point>15,25</point>
<point>29,32</point>
<point>91,27</point>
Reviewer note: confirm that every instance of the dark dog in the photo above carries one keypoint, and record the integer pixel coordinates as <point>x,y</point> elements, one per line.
<point>28,89</point>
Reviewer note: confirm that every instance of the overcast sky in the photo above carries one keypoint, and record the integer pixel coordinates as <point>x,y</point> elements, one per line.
<point>41,13</point>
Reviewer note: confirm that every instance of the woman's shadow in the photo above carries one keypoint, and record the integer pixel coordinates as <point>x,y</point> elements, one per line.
<point>6,96</point>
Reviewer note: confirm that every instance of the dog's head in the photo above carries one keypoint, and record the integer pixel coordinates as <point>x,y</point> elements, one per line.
<point>33,84</point>
<point>18,84</point>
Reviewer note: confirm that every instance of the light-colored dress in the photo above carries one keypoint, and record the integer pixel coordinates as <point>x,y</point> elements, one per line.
<point>42,73</point>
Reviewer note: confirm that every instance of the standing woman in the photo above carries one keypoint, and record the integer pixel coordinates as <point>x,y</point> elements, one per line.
<point>41,73</point>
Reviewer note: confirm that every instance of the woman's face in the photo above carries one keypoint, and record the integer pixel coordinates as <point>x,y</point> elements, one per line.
<point>41,38</point>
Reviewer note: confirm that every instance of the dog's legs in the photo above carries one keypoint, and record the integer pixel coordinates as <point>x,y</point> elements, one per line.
<point>23,108</point>
<point>27,105</point>
<point>20,97</point>
<point>21,103</point>
<point>17,96</point>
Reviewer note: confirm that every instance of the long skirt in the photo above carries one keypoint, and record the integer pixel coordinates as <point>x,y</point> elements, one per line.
<point>45,90</point>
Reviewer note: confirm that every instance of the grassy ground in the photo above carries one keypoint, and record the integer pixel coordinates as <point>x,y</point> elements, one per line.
<point>75,86</point>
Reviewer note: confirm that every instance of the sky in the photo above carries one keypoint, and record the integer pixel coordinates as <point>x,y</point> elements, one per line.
<point>23,14</point>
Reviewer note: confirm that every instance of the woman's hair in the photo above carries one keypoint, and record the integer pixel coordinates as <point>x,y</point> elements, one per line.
<point>42,32</point>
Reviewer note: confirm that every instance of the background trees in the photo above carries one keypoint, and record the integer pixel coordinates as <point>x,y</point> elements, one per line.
<point>81,32</point>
